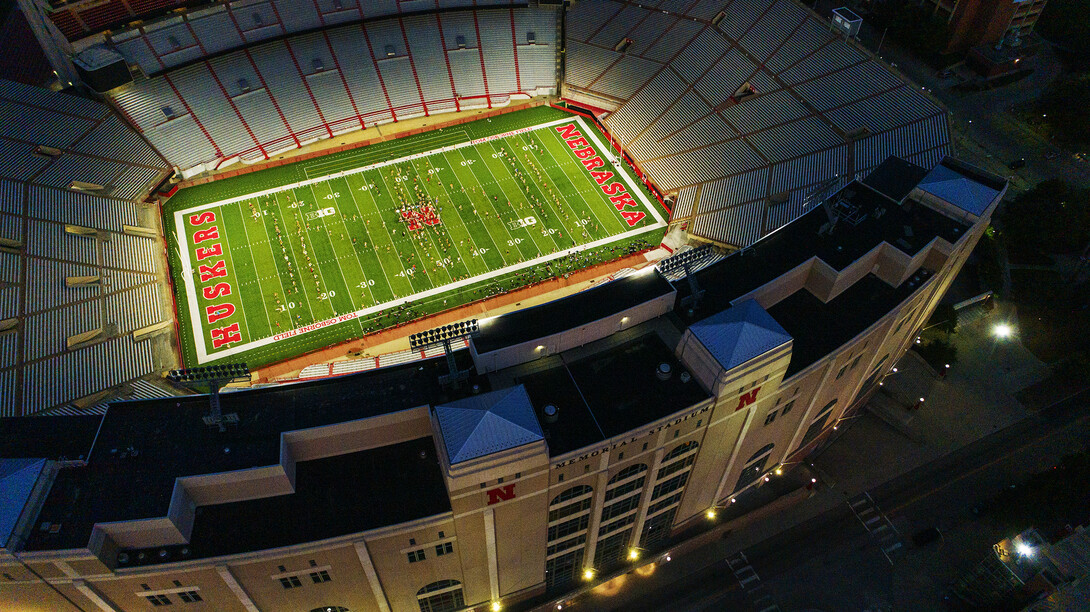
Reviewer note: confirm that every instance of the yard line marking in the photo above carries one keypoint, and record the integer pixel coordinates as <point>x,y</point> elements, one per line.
<point>347,287</point>
<point>249,245</point>
<point>459,215</point>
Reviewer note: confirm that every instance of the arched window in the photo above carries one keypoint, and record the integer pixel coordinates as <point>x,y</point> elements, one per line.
<point>559,509</point>
<point>631,470</point>
<point>571,493</point>
<point>679,450</point>
<point>441,596</point>
<point>754,467</point>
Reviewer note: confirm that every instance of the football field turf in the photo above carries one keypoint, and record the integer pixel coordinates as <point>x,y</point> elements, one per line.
<point>278,262</point>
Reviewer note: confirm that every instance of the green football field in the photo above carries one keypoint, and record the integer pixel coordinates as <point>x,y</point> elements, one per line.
<point>282,261</point>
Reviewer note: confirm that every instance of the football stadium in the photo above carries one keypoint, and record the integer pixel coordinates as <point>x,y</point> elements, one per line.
<point>441,305</point>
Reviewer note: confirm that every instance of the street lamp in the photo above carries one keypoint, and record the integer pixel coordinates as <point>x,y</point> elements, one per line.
<point>1003,331</point>
<point>1024,549</point>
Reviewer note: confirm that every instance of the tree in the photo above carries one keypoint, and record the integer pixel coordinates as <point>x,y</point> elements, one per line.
<point>1064,103</point>
<point>1053,217</point>
<point>944,319</point>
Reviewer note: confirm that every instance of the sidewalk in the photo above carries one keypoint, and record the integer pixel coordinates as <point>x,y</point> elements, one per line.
<point>974,400</point>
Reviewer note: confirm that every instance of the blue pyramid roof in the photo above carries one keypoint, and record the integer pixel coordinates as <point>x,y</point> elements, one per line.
<point>958,189</point>
<point>488,423</point>
<point>17,480</point>
<point>740,333</point>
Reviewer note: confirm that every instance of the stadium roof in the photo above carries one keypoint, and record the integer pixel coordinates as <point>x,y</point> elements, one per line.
<point>740,333</point>
<point>488,423</point>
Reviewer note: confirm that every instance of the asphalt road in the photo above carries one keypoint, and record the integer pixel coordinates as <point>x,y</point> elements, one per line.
<point>830,563</point>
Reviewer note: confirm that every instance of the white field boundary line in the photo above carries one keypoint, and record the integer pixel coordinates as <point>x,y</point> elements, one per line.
<point>203,355</point>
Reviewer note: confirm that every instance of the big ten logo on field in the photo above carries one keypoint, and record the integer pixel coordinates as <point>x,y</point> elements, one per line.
<point>212,269</point>
<point>318,214</point>
<point>500,494</point>
<point>592,161</point>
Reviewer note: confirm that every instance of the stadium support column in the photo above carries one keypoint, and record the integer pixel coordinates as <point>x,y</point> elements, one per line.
<point>515,50</point>
<point>372,576</point>
<point>645,503</point>
<point>446,58</point>
<point>480,54</point>
<point>600,484</point>
<point>236,588</point>
<point>490,545</point>
<point>88,592</point>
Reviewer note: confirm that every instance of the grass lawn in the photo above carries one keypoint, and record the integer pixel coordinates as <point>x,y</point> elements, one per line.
<point>286,260</point>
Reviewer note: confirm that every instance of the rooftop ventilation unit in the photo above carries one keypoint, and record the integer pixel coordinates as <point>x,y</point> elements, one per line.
<point>317,64</point>
<point>390,51</point>
<point>720,16</point>
<point>244,85</point>
<point>460,41</point>
<point>531,38</point>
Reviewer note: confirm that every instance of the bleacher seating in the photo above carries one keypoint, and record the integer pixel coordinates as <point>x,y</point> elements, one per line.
<point>171,40</point>
<point>803,122</point>
<point>266,98</point>
<point>47,373</point>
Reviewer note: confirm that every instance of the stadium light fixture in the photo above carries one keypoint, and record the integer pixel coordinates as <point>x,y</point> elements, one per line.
<point>633,554</point>
<point>212,378</point>
<point>711,514</point>
<point>496,606</point>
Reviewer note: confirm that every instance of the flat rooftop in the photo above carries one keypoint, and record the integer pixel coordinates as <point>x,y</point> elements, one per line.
<point>60,438</point>
<point>579,309</point>
<point>818,328</point>
<point>606,388</point>
<point>143,446</point>
<point>389,485</point>
<point>908,227</point>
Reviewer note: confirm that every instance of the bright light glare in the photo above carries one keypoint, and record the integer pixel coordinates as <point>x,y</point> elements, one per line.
<point>633,554</point>
<point>1024,549</point>
<point>710,514</point>
<point>1002,331</point>
<point>496,607</point>
<point>588,574</point>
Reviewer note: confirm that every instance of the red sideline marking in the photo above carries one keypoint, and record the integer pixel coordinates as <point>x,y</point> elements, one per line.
<point>663,245</point>
<point>423,355</point>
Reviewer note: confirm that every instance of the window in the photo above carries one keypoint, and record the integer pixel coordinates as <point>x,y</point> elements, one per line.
<point>855,361</point>
<point>566,544</point>
<point>841,372</point>
<point>662,503</point>
<point>158,600</point>
<point>679,450</point>
<point>669,486</point>
<point>787,408</point>
<point>441,536</point>
<point>570,509</point>
<point>586,469</point>
<point>620,507</point>
<point>499,480</point>
<point>444,549</point>
<point>645,446</point>
<point>416,555</point>
<point>571,493</point>
<point>699,422</point>
<point>560,478</point>
<point>626,488</point>
<point>320,576</point>
<point>754,467</point>
<point>628,472</point>
<point>189,596</point>
<point>620,456</point>
<point>441,596</point>
<point>675,466</point>
<point>771,416</point>
<point>561,571</point>
<point>518,474</point>
<point>290,582</point>
<point>615,525</point>
<point>569,527</point>
<point>412,541</point>
<point>818,424</point>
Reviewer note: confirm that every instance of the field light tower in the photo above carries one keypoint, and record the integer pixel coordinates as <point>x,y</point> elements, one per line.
<point>687,261</point>
<point>212,378</point>
<point>443,336</point>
